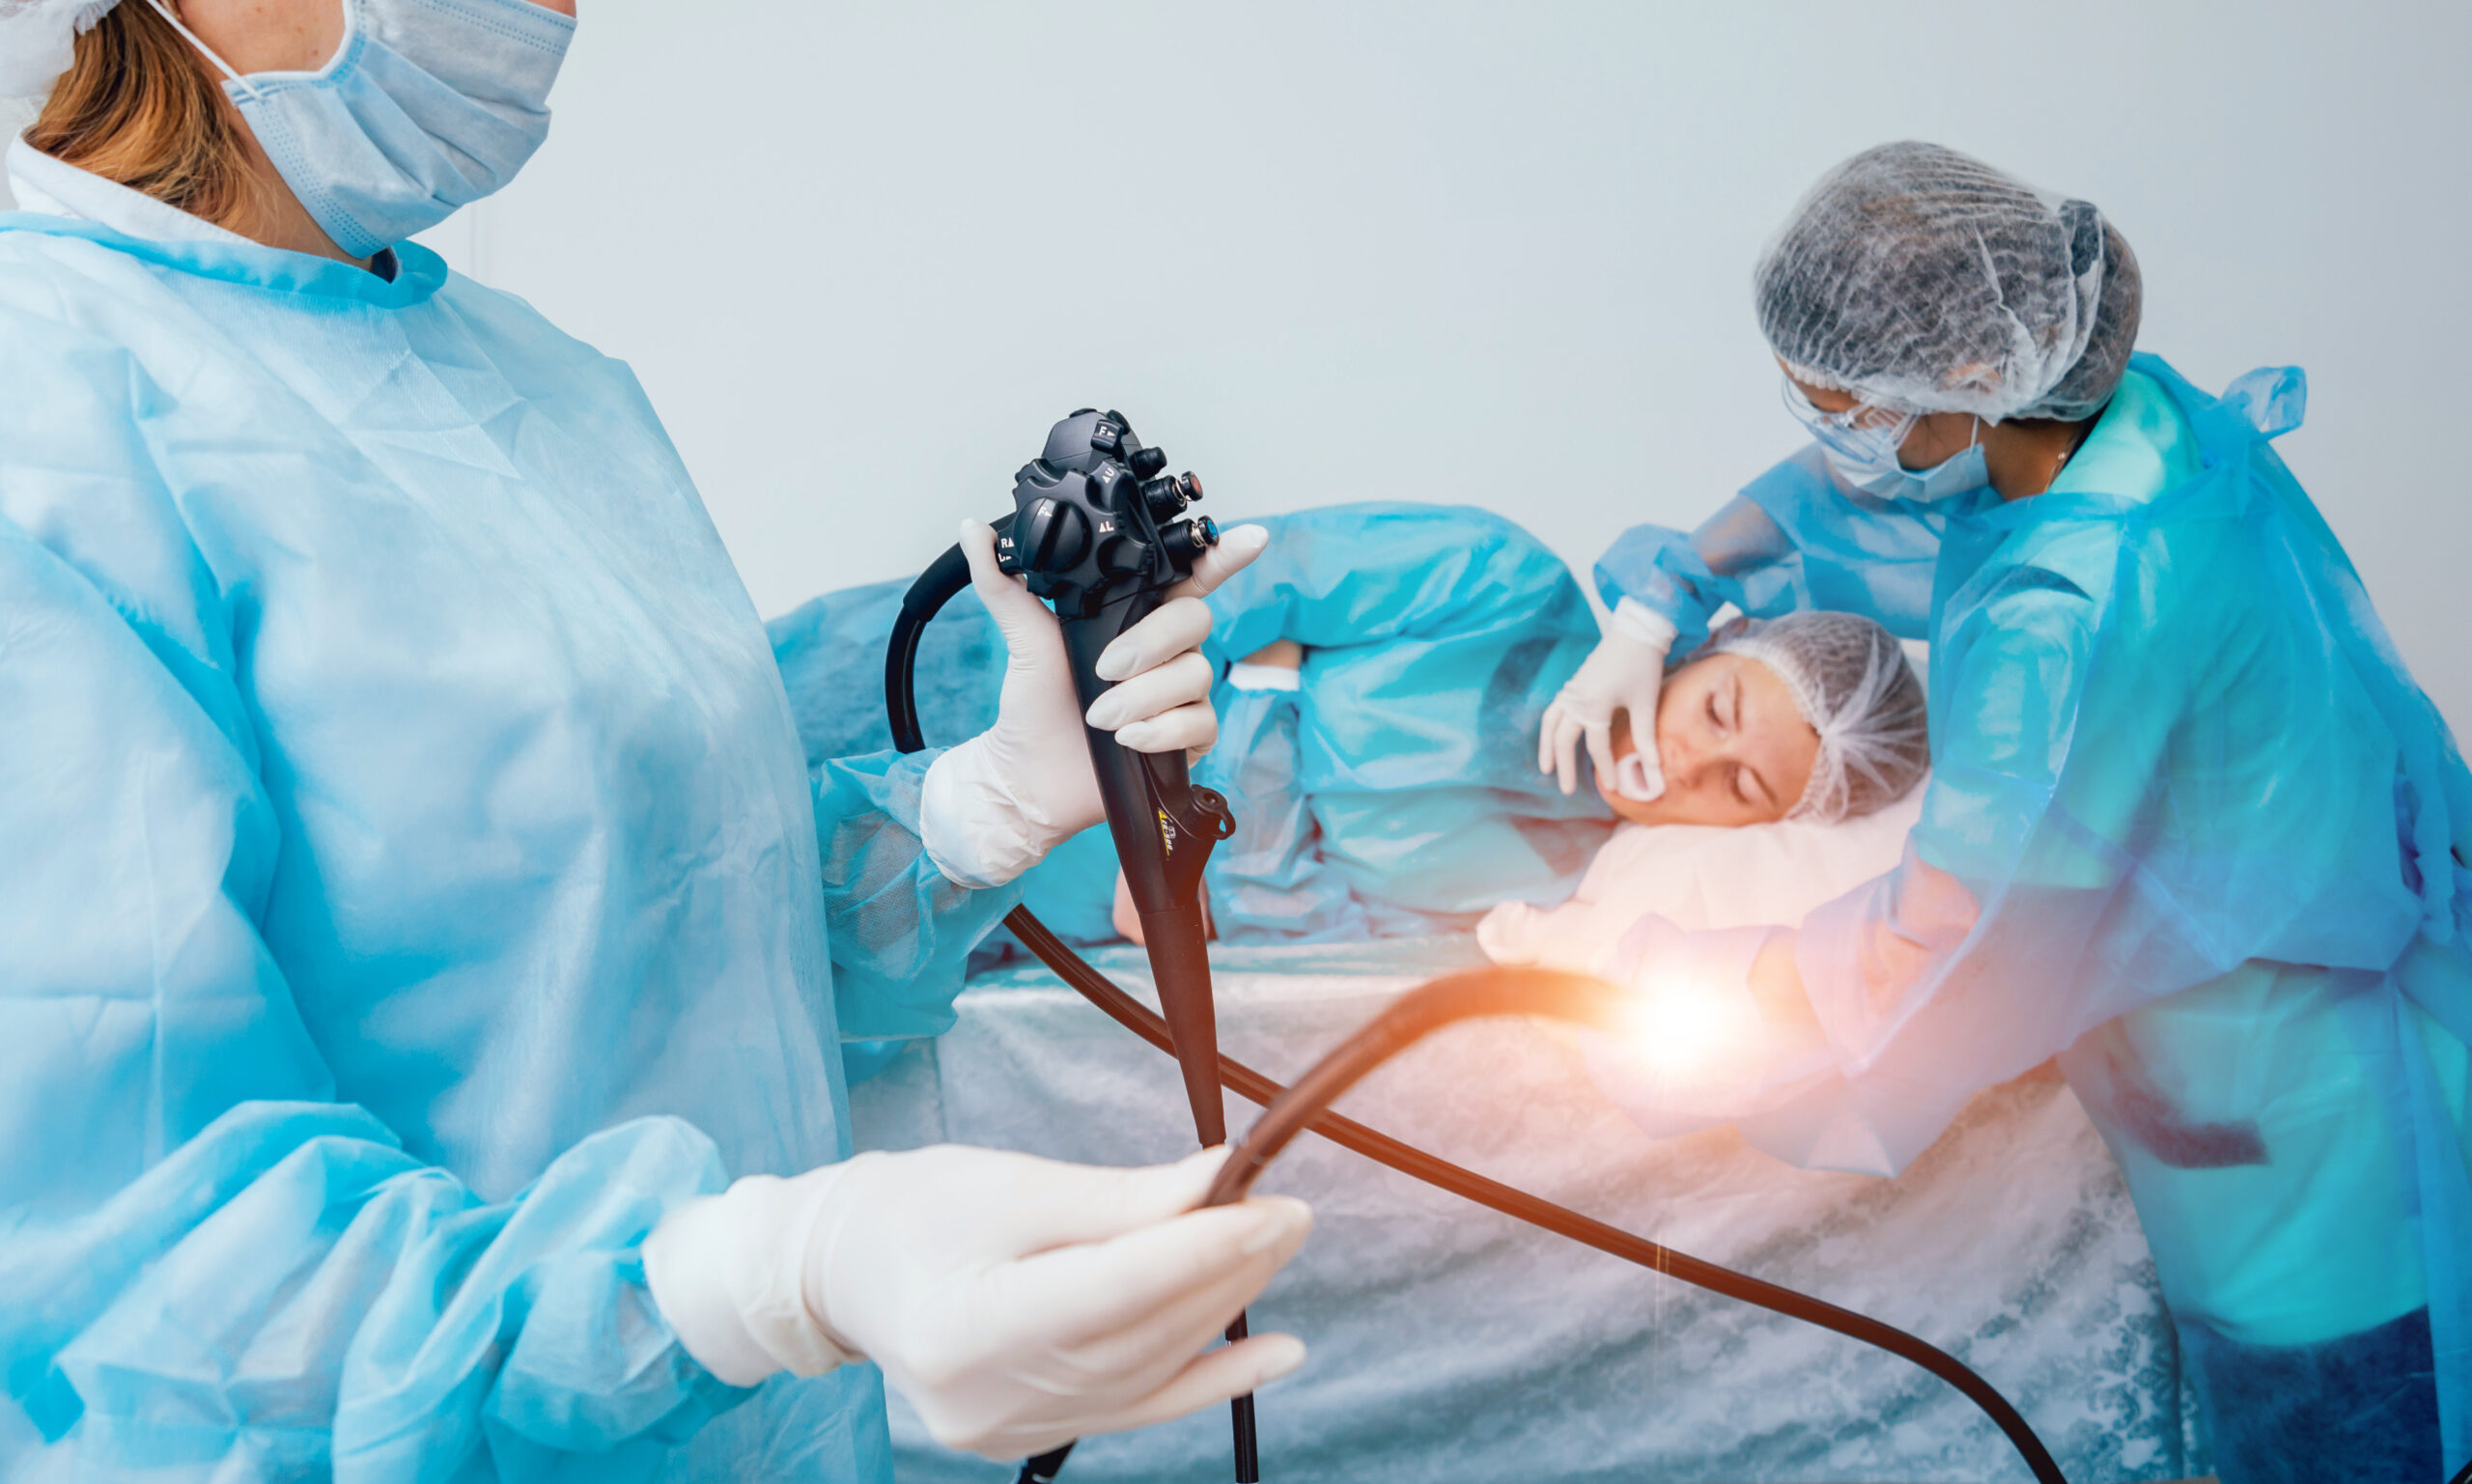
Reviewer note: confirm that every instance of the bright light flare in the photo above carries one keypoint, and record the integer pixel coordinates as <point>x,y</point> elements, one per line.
<point>1685,1033</point>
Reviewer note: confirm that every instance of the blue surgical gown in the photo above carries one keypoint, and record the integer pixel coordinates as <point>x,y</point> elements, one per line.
<point>1793,539</point>
<point>1393,792</point>
<point>410,886</point>
<point>2192,828</point>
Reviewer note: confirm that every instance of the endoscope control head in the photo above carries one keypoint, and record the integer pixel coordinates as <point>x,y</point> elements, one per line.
<point>1095,517</point>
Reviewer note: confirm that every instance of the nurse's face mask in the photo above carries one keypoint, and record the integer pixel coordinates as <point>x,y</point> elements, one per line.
<point>427,105</point>
<point>1860,444</point>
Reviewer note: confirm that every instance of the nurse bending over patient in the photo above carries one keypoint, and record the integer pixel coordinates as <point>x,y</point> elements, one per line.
<point>2191,826</point>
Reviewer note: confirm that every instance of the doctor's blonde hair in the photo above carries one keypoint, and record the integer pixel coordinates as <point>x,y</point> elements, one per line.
<point>139,107</point>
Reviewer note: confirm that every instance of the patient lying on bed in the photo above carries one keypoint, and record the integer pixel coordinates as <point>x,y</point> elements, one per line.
<point>1378,738</point>
<point>1385,667</point>
<point>1731,735</point>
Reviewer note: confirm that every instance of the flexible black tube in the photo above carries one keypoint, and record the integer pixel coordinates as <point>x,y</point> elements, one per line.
<point>1510,1201</point>
<point>1408,1019</point>
<point>934,588</point>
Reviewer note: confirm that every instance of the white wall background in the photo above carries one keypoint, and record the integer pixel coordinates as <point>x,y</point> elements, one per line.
<point>862,254</point>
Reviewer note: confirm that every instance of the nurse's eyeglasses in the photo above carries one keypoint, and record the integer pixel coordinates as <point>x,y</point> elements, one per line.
<point>1862,433</point>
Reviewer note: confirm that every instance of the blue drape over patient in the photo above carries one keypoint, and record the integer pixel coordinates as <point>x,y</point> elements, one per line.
<point>410,886</point>
<point>2192,828</point>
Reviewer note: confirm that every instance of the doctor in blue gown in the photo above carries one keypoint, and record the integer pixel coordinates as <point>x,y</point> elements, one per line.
<point>2191,826</point>
<point>423,944</point>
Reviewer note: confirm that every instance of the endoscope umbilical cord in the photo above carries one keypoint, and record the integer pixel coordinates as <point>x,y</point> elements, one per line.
<point>1490,992</point>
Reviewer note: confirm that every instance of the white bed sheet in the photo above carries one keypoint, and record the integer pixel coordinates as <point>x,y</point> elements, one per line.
<point>1449,1343</point>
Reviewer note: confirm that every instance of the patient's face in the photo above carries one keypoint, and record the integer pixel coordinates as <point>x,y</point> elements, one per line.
<point>1734,748</point>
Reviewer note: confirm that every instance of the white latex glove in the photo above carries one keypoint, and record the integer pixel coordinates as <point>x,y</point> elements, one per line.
<point>1017,1303</point>
<point>1624,673</point>
<point>993,806</point>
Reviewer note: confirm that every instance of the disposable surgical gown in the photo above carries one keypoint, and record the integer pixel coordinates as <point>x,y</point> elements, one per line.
<point>2192,828</point>
<point>1792,541</point>
<point>1394,793</point>
<point>410,886</point>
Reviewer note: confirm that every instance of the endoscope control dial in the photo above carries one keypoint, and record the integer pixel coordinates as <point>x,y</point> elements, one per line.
<point>1051,536</point>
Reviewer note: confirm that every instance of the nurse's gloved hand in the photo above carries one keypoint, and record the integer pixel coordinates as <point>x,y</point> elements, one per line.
<point>1624,673</point>
<point>1016,1303</point>
<point>997,804</point>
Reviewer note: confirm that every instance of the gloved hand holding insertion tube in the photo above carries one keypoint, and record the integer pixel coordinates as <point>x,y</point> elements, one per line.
<point>1624,673</point>
<point>1017,1303</point>
<point>995,805</point>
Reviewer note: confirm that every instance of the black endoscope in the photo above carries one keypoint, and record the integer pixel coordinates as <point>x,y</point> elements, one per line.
<point>1098,529</point>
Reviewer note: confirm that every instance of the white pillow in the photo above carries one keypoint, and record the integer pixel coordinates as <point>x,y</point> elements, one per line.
<point>1701,876</point>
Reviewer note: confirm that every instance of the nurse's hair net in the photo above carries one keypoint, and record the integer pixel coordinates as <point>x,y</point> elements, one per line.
<point>37,41</point>
<point>1922,280</point>
<point>1851,680</point>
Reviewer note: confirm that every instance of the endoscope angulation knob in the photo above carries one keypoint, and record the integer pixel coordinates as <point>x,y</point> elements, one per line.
<point>1052,535</point>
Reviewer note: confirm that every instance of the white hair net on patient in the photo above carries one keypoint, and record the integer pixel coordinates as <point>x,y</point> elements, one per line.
<point>1922,280</point>
<point>1851,680</point>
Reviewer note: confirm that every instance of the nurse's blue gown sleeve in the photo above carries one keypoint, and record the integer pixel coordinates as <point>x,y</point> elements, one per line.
<point>901,933</point>
<point>1790,541</point>
<point>203,1255</point>
<point>901,930</point>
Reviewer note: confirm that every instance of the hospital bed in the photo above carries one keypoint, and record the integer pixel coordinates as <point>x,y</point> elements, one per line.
<point>1449,1343</point>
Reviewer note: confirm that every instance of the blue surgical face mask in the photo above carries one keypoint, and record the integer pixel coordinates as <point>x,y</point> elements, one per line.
<point>1860,444</point>
<point>427,105</point>
<point>1891,479</point>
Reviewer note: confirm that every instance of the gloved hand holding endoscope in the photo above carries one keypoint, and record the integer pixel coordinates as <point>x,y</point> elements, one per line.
<point>997,804</point>
<point>1017,1303</point>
